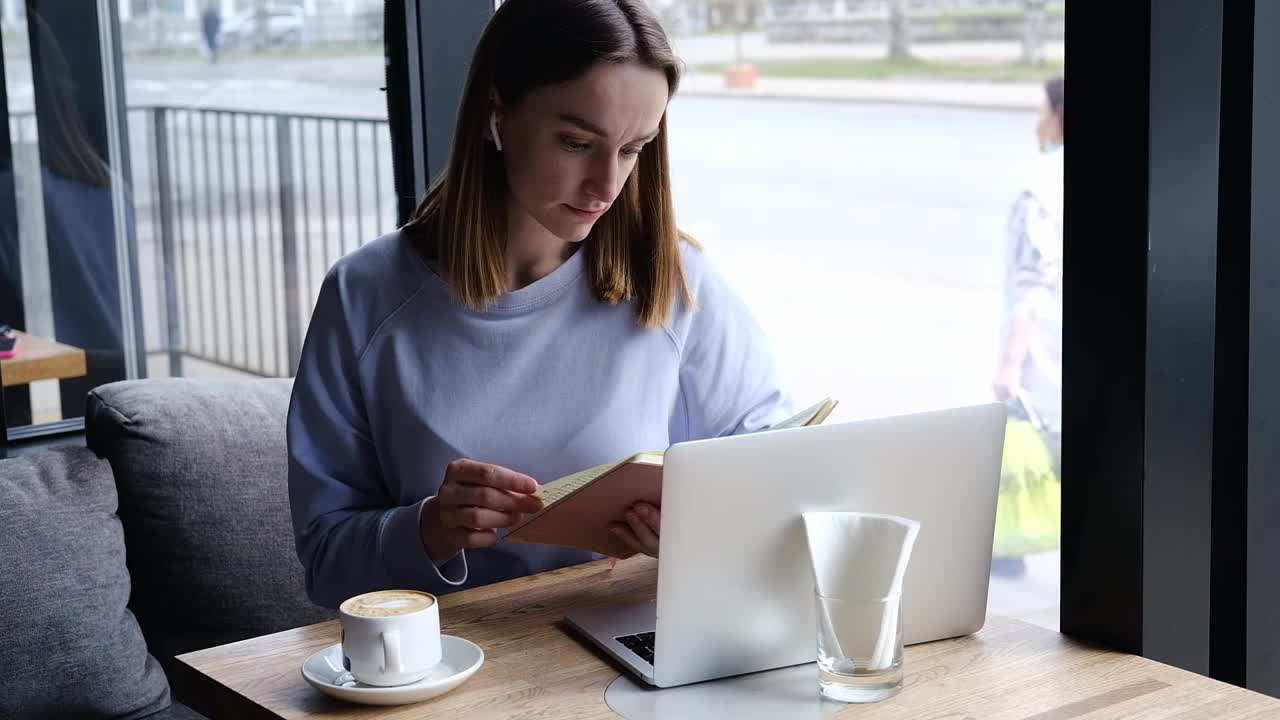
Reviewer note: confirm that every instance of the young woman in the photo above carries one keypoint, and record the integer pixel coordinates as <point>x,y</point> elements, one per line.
<point>539,314</point>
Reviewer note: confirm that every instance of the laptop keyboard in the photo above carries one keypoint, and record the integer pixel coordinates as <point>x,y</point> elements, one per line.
<point>641,644</point>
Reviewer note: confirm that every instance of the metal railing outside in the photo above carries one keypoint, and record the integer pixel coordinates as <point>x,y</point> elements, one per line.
<point>240,214</point>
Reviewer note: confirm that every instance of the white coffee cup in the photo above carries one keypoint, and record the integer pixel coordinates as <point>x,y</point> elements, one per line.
<point>390,637</point>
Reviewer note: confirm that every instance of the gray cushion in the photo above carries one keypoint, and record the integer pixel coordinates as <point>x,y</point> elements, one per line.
<point>201,468</point>
<point>70,647</point>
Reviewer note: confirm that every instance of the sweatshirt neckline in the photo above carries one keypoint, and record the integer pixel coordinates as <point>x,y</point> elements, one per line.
<point>546,286</point>
<point>536,292</point>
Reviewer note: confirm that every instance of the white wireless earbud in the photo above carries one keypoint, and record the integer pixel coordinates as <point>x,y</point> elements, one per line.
<point>493,129</point>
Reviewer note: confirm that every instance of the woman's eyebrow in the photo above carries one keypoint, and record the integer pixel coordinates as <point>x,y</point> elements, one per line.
<point>595,130</point>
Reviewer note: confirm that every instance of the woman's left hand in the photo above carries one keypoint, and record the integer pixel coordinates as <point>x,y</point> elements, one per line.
<point>640,529</point>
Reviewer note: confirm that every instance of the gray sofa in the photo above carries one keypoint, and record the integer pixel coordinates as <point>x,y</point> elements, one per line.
<point>169,533</point>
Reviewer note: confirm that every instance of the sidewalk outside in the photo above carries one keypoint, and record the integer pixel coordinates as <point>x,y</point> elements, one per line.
<point>710,49</point>
<point>973,95</point>
<point>346,84</point>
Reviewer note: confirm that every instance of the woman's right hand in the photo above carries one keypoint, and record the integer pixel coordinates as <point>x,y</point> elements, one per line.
<point>473,501</point>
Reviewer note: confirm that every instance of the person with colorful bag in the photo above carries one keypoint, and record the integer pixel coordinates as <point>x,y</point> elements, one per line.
<point>1029,374</point>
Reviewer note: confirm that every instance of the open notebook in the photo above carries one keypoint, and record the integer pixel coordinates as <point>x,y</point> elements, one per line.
<point>577,509</point>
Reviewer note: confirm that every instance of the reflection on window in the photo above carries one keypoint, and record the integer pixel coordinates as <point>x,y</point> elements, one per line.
<point>66,208</point>
<point>252,153</point>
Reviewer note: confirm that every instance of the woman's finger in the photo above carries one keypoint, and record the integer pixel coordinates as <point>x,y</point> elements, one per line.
<point>496,476</point>
<point>627,536</point>
<point>651,517</point>
<point>481,518</point>
<point>644,534</point>
<point>477,538</point>
<point>485,497</point>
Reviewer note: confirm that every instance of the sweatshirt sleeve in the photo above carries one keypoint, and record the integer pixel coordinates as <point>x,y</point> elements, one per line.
<point>728,382</point>
<point>349,533</point>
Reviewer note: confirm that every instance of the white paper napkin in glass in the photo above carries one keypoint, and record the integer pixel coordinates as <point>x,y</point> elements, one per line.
<point>861,558</point>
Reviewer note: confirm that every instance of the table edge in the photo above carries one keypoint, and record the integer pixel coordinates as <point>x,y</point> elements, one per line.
<point>210,698</point>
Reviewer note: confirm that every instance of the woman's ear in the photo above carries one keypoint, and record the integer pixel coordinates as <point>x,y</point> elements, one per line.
<point>494,105</point>
<point>493,129</point>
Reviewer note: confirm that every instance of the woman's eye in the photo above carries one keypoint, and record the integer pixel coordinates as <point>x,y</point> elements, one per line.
<point>632,152</point>
<point>573,145</point>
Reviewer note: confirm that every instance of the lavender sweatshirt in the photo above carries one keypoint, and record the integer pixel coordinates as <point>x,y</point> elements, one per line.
<point>396,380</point>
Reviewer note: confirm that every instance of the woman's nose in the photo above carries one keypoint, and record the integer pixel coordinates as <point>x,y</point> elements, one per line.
<point>602,183</point>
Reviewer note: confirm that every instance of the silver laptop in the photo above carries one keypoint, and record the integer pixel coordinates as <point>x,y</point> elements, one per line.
<point>735,589</point>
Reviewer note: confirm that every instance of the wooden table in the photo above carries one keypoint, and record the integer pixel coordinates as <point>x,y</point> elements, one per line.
<point>41,359</point>
<point>535,668</point>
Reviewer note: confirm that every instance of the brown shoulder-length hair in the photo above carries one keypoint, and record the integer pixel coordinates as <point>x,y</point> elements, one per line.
<point>633,252</point>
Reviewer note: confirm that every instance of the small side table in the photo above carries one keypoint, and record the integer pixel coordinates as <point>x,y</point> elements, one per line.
<point>38,358</point>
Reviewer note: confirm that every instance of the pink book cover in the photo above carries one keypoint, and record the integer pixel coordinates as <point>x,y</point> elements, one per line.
<point>582,519</point>
<point>579,510</point>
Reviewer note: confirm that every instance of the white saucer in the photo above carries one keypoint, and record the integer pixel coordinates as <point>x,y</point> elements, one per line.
<point>460,660</point>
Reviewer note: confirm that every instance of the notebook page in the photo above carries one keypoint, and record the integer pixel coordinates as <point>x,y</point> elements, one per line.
<point>802,418</point>
<point>557,489</point>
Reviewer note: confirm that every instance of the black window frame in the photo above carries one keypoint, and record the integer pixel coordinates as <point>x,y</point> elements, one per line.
<point>1168,502</point>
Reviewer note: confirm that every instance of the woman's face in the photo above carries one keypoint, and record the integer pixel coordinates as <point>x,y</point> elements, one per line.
<point>569,148</point>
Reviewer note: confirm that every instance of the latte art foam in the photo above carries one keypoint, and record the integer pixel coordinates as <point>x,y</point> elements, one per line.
<point>387,603</point>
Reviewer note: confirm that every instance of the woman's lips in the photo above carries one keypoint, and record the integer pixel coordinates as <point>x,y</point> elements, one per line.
<point>585,214</point>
